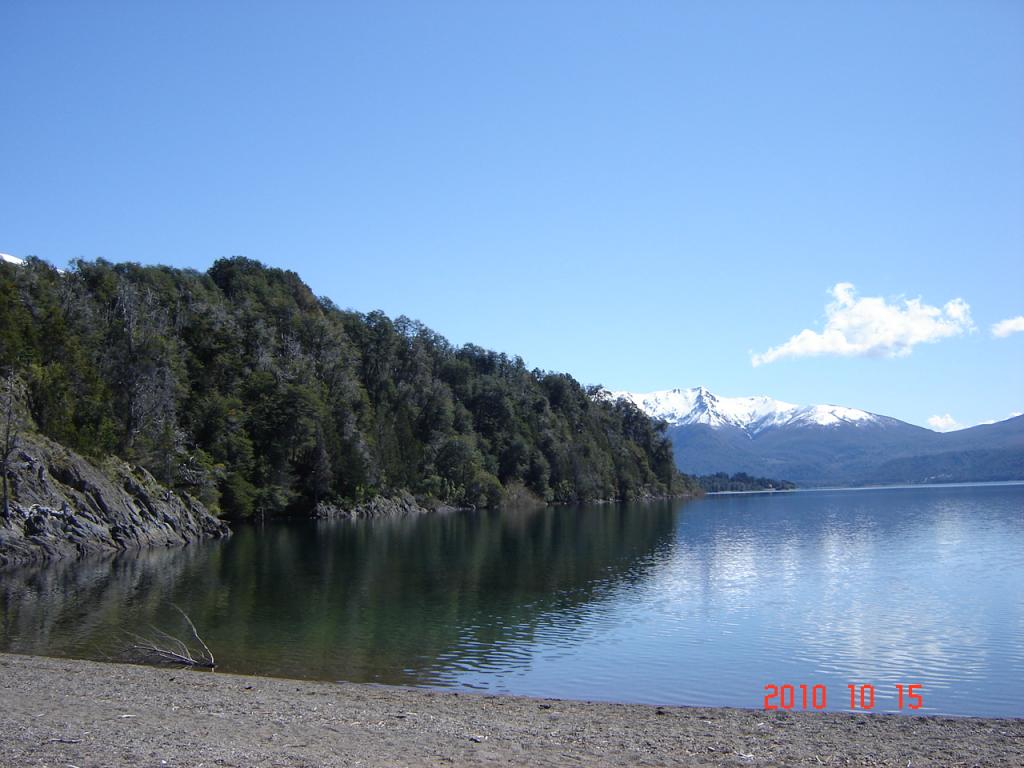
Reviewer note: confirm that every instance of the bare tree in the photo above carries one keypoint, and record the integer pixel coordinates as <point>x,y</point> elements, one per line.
<point>167,649</point>
<point>8,405</point>
<point>143,363</point>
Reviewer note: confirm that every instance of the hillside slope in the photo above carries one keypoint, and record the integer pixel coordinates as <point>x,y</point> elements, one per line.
<point>243,388</point>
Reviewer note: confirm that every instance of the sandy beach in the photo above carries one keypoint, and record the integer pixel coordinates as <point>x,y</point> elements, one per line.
<point>61,713</point>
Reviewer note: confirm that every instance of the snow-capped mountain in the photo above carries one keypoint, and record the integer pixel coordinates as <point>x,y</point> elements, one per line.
<point>825,444</point>
<point>751,414</point>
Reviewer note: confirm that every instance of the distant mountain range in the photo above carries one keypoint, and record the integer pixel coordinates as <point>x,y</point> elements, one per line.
<point>816,445</point>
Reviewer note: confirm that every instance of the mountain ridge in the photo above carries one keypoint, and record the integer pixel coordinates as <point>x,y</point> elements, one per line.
<point>825,444</point>
<point>753,414</point>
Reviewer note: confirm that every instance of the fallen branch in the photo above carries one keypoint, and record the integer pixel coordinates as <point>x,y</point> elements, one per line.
<point>167,649</point>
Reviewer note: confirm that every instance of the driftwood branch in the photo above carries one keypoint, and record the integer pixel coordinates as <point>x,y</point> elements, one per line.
<point>164,648</point>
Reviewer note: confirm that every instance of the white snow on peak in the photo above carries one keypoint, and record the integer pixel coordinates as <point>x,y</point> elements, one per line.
<point>834,414</point>
<point>751,414</point>
<point>6,257</point>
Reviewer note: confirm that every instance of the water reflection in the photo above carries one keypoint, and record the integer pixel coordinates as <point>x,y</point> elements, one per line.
<point>700,603</point>
<point>399,601</point>
<point>914,585</point>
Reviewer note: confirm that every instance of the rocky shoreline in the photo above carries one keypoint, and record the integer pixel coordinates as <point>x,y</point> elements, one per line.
<point>399,504</point>
<point>60,712</point>
<point>65,506</point>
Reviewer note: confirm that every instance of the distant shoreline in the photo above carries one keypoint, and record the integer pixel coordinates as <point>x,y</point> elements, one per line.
<point>905,486</point>
<point>70,712</point>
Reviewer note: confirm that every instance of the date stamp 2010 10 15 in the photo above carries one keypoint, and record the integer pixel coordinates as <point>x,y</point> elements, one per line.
<point>816,696</point>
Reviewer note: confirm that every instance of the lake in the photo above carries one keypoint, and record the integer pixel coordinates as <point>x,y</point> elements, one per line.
<point>702,602</point>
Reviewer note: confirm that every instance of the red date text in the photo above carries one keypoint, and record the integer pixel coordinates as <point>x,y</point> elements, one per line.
<point>816,696</point>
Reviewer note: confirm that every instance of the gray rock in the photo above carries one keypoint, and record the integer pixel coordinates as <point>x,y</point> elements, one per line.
<point>399,504</point>
<point>64,506</point>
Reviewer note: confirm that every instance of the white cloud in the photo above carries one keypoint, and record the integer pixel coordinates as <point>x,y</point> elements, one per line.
<point>872,326</point>
<point>1004,328</point>
<point>945,423</point>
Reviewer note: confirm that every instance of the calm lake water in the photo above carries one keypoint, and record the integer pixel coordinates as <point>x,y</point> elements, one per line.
<point>700,603</point>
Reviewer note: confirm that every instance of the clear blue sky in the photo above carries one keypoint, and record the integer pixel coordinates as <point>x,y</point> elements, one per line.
<point>643,194</point>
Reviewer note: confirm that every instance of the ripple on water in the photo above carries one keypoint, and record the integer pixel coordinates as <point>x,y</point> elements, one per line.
<point>703,604</point>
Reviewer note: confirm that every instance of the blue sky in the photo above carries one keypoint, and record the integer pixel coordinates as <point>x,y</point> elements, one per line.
<point>646,195</point>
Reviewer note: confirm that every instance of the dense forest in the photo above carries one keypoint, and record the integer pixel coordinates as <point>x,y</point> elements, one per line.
<point>741,481</point>
<point>243,388</point>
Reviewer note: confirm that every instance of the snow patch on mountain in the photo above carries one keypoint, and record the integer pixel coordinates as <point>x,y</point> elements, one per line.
<point>751,414</point>
<point>7,258</point>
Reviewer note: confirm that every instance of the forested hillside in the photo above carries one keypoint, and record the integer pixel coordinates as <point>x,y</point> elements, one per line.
<point>720,482</point>
<point>243,388</point>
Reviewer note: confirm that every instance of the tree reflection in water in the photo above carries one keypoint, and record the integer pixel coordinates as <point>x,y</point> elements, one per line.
<point>395,601</point>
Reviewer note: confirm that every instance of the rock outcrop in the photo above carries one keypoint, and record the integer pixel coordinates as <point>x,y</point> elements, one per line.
<point>399,504</point>
<point>61,505</point>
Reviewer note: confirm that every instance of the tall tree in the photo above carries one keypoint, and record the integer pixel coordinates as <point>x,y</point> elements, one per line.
<point>8,405</point>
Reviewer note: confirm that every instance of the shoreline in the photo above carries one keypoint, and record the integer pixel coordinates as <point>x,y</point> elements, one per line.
<point>893,487</point>
<point>87,713</point>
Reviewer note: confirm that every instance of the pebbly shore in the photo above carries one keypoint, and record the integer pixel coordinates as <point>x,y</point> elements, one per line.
<point>60,712</point>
